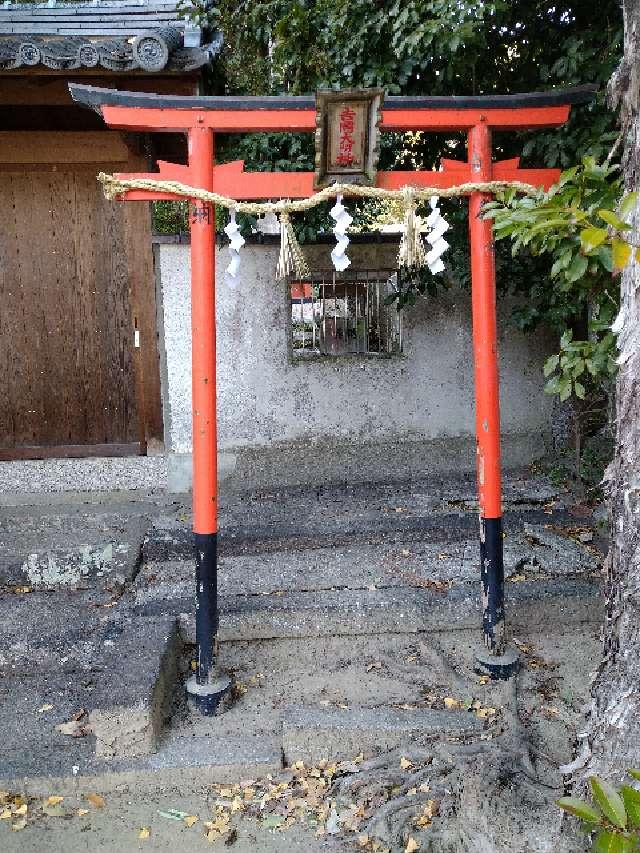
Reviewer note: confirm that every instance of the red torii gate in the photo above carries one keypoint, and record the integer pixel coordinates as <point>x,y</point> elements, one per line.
<point>201,118</point>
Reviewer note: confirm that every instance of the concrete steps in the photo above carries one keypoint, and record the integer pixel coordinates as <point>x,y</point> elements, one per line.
<point>391,587</point>
<point>331,602</point>
<point>295,702</point>
<point>79,544</point>
<point>321,700</point>
<point>406,610</point>
<point>439,511</point>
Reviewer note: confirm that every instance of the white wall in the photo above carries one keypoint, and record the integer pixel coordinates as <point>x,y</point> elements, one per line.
<point>265,399</point>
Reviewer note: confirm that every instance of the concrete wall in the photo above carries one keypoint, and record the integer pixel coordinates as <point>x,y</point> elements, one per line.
<point>283,421</point>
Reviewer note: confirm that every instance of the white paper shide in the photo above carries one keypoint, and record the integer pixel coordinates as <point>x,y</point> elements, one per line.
<point>437,225</point>
<point>342,221</point>
<point>236,242</point>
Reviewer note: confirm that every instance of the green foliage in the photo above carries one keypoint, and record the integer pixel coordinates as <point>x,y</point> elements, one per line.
<point>424,47</point>
<point>170,217</point>
<point>581,366</point>
<point>414,282</point>
<point>580,224</point>
<point>565,222</point>
<point>613,820</point>
<point>202,13</point>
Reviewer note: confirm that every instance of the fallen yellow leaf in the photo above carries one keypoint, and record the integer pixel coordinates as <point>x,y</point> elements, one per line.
<point>145,832</point>
<point>412,845</point>
<point>405,764</point>
<point>483,713</point>
<point>5,814</point>
<point>53,801</point>
<point>96,800</point>
<point>190,820</point>
<point>21,810</point>
<point>450,702</point>
<point>82,812</point>
<point>44,708</point>
<point>220,824</point>
<point>424,818</point>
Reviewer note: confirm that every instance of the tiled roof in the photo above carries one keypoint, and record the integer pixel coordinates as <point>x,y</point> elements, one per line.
<point>145,35</point>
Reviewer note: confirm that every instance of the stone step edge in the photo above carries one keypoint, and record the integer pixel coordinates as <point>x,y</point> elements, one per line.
<point>179,765</point>
<point>130,723</point>
<point>308,733</point>
<point>177,542</point>
<point>347,612</point>
<point>313,734</point>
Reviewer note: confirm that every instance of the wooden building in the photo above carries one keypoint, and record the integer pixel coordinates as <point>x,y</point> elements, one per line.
<point>78,341</point>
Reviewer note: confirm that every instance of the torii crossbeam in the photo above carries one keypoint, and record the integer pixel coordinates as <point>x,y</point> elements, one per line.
<point>201,118</point>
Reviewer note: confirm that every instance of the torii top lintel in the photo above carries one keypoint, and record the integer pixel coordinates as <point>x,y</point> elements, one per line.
<point>230,114</point>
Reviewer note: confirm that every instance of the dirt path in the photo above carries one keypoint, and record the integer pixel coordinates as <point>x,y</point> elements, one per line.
<point>116,828</point>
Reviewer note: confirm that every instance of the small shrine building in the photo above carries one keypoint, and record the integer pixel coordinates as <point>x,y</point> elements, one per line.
<point>78,335</point>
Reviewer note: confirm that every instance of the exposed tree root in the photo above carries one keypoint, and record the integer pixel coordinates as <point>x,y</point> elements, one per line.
<point>488,795</point>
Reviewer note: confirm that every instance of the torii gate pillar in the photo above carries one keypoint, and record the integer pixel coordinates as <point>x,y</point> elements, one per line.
<point>209,684</point>
<point>200,118</point>
<point>485,350</point>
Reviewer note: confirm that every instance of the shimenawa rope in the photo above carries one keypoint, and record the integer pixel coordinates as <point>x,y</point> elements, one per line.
<point>291,258</point>
<point>115,186</point>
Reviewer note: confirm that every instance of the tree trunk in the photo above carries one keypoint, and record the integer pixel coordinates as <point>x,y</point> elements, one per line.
<point>613,729</point>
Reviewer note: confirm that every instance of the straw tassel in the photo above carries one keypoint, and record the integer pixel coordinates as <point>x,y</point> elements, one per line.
<point>412,252</point>
<point>291,260</point>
